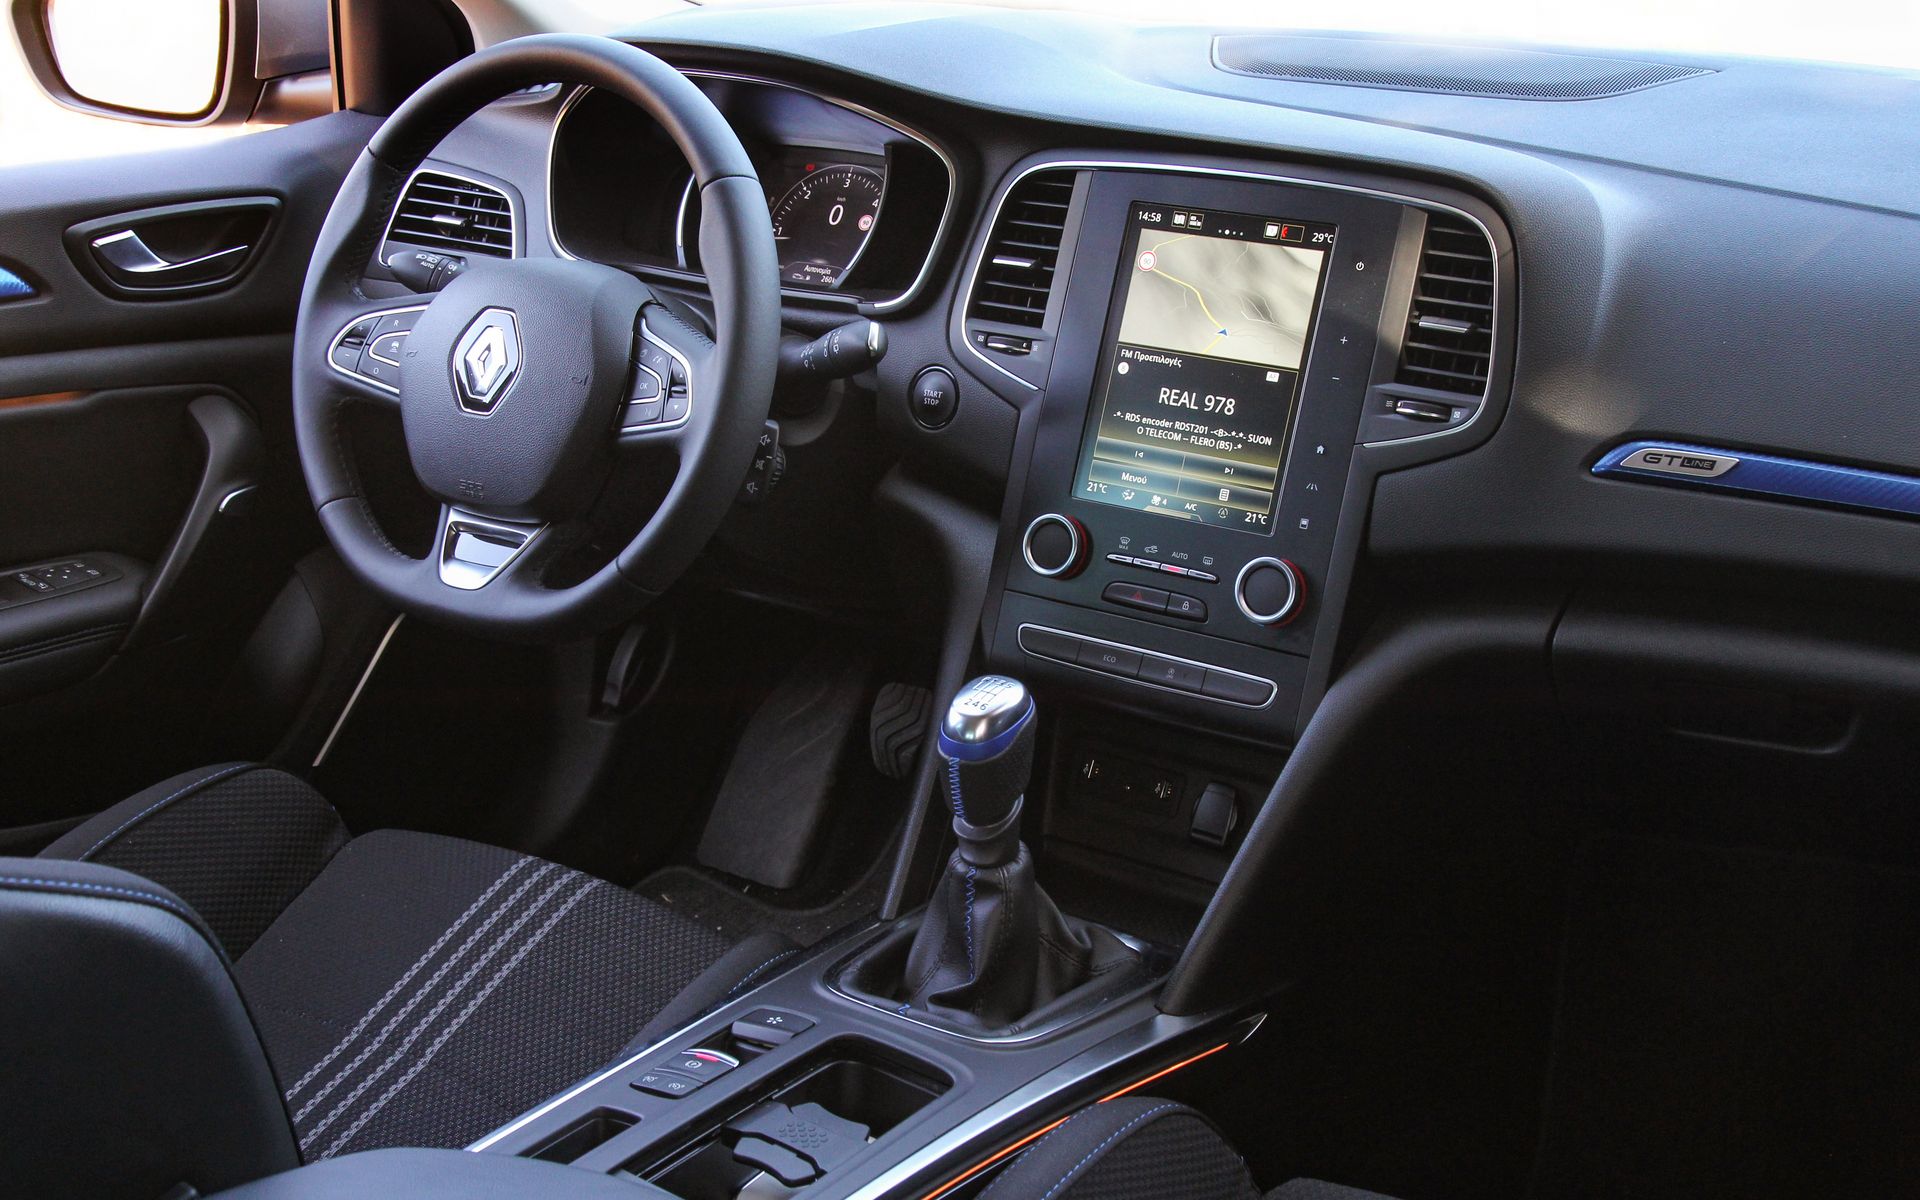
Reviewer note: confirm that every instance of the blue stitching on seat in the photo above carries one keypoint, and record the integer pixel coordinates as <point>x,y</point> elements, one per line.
<point>973,972</point>
<point>953,789</point>
<point>104,888</point>
<point>1111,1138</point>
<point>216,777</point>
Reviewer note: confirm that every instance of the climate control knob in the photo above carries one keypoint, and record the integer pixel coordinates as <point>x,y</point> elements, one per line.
<point>1270,591</point>
<point>1055,546</point>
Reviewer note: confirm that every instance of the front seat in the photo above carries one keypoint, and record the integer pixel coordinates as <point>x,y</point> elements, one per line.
<point>1139,1148</point>
<point>213,981</point>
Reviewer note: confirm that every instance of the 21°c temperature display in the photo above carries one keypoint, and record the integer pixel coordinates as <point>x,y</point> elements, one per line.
<point>821,224</point>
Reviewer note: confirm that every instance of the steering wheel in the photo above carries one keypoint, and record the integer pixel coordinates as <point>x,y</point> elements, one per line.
<point>515,381</point>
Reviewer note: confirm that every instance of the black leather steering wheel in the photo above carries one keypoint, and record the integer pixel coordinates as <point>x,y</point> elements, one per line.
<point>514,379</point>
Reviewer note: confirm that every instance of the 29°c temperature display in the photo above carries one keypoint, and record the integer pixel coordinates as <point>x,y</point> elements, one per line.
<point>821,223</point>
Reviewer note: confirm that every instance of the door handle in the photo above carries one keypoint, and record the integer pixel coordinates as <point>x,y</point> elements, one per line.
<point>176,250</point>
<point>126,253</point>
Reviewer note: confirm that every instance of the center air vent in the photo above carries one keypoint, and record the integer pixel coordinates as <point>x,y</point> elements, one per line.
<point>1449,342</point>
<point>1016,273</point>
<point>447,213</point>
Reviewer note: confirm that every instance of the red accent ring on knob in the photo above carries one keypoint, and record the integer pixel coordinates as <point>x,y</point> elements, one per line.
<point>1078,540</point>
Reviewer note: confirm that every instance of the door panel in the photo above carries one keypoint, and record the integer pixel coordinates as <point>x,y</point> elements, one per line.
<point>146,435</point>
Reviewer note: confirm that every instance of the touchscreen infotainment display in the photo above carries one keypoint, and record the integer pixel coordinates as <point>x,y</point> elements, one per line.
<point>1199,379</point>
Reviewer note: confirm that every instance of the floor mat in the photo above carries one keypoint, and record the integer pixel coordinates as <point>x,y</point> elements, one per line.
<point>1734,1023</point>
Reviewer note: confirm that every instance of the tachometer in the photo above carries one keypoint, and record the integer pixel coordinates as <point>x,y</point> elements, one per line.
<point>821,224</point>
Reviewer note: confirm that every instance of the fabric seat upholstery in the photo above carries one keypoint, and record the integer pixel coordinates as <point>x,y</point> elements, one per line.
<point>409,989</point>
<point>1139,1148</point>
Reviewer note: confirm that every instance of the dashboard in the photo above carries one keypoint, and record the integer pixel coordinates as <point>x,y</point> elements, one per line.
<point>1232,356</point>
<point>857,200</point>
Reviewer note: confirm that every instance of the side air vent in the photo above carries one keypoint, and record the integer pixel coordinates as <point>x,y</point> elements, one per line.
<point>1490,72</point>
<point>446,212</point>
<point>1449,341</point>
<point>1016,275</point>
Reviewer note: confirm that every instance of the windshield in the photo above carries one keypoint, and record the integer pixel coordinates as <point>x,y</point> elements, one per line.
<point>1873,32</point>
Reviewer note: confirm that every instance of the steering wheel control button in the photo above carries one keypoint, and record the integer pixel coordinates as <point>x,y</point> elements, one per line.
<point>1236,688</point>
<point>1187,608</point>
<point>645,386</point>
<point>667,1083</point>
<point>1172,673</point>
<point>701,1064</point>
<point>770,1027</point>
<point>1132,595</point>
<point>934,397</point>
<point>1109,659</point>
<point>1269,591</point>
<point>387,347</point>
<point>1055,546</point>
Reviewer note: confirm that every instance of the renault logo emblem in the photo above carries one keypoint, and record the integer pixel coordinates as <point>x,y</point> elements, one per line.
<point>486,361</point>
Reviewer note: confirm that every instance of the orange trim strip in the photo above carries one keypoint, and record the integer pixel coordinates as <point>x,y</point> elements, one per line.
<point>1132,1087</point>
<point>42,398</point>
<point>1037,1134</point>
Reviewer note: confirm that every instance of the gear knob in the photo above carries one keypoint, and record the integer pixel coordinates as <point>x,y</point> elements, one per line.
<point>987,740</point>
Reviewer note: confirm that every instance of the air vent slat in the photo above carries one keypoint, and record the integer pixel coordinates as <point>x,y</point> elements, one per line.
<point>444,212</point>
<point>1454,284</point>
<point>1016,274</point>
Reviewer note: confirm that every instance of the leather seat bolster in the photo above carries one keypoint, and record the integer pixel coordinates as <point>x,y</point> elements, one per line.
<point>133,1064</point>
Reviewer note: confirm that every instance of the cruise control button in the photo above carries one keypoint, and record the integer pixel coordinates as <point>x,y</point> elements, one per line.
<point>666,1083</point>
<point>1132,595</point>
<point>1062,647</point>
<point>387,347</point>
<point>1190,608</point>
<point>1238,689</point>
<point>1168,672</point>
<point>1114,660</point>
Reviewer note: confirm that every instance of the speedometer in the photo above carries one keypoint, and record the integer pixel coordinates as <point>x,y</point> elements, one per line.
<point>821,224</point>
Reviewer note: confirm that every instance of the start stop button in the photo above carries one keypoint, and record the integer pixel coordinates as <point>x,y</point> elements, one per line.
<point>934,397</point>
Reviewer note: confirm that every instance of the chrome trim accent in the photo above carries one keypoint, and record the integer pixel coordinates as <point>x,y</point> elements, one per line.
<point>1293,590</point>
<point>947,213</point>
<point>514,215</point>
<point>1073,531</point>
<point>1026,625</point>
<point>235,494</point>
<point>1681,462</point>
<point>1008,183</point>
<point>679,214</point>
<point>342,336</point>
<point>1044,1093</point>
<point>472,576</point>
<point>346,710</point>
<point>470,359</point>
<point>986,708</point>
<point>139,258</point>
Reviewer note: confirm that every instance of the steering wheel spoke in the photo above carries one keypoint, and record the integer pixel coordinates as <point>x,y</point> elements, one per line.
<point>669,363</point>
<point>367,348</point>
<point>474,550</point>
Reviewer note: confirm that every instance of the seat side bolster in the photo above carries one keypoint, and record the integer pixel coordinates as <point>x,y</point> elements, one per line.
<point>133,1066</point>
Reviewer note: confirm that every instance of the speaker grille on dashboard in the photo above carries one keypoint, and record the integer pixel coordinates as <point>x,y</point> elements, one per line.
<point>1484,71</point>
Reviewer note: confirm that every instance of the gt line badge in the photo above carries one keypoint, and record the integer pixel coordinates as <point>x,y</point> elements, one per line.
<point>486,361</point>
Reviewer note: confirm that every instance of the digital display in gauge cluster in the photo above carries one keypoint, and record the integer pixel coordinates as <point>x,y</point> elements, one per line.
<point>824,205</point>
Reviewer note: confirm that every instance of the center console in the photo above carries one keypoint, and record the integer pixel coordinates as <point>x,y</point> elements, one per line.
<point>1214,346</point>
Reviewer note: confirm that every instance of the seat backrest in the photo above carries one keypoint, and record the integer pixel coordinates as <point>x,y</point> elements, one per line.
<point>128,1063</point>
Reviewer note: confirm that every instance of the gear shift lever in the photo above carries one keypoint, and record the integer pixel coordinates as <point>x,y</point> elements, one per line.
<point>992,948</point>
<point>987,741</point>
